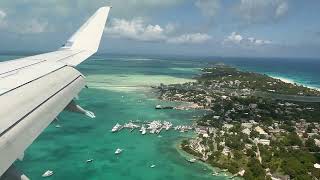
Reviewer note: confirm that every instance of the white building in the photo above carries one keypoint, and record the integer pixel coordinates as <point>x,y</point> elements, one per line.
<point>260,130</point>
<point>262,141</point>
<point>246,131</point>
<point>227,126</point>
<point>317,142</point>
<point>226,151</point>
<point>247,125</point>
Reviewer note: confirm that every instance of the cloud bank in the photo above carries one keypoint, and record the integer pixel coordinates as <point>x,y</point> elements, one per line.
<point>137,29</point>
<point>236,39</point>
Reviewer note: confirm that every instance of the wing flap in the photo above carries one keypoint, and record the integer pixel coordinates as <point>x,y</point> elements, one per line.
<point>16,78</point>
<point>23,98</point>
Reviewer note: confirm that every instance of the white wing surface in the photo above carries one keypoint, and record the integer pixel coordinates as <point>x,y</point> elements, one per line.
<point>35,89</point>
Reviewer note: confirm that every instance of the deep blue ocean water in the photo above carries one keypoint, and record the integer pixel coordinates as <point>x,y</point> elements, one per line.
<point>118,92</point>
<point>302,71</point>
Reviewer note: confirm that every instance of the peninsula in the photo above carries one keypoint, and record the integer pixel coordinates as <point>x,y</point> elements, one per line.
<point>257,127</point>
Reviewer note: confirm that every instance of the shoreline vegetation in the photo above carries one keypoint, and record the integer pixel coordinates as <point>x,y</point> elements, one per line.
<point>256,127</point>
<point>213,171</point>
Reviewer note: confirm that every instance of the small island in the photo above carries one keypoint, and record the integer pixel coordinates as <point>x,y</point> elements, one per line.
<point>256,126</point>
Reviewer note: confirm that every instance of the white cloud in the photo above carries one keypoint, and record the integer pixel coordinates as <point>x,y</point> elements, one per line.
<point>208,7</point>
<point>195,38</point>
<point>260,11</point>
<point>236,38</point>
<point>71,13</point>
<point>137,29</point>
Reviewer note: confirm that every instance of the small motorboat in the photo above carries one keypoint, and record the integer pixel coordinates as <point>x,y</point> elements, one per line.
<point>47,173</point>
<point>152,166</point>
<point>192,160</point>
<point>116,128</point>
<point>143,130</point>
<point>118,151</point>
<point>89,160</point>
<point>215,174</point>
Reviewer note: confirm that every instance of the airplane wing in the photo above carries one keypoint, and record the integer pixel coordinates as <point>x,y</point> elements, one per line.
<point>35,89</point>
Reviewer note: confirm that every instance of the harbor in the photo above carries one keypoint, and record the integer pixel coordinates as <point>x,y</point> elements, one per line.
<point>144,155</point>
<point>152,127</point>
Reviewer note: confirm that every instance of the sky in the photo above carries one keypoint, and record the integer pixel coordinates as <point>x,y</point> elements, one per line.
<point>228,28</point>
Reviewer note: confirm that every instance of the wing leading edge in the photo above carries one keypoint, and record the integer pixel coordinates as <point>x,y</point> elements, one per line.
<point>35,89</point>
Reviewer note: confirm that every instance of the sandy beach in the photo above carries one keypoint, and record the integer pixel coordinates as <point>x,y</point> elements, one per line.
<point>287,80</point>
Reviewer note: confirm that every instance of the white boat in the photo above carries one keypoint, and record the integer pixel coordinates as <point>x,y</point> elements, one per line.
<point>130,125</point>
<point>215,174</point>
<point>143,130</point>
<point>118,151</point>
<point>47,173</point>
<point>58,126</point>
<point>152,166</point>
<point>152,131</point>
<point>116,128</point>
<point>192,160</point>
<point>89,160</point>
<point>167,125</point>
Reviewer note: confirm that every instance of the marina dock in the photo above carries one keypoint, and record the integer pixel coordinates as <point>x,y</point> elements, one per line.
<point>152,127</point>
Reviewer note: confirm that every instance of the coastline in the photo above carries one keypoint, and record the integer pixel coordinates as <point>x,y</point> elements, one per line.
<point>213,169</point>
<point>111,107</point>
<point>291,81</point>
<point>227,174</point>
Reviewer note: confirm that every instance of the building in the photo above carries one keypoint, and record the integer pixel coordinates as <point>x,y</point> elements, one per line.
<point>226,151</point>
<point>264,142</point>
<point>260,130</point>
<point>247,125</point>
<point>317,142</point>
<point>246,131</point>
<point>228,126</point>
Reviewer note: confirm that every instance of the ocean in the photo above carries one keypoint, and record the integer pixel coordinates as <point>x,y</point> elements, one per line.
<point>119,91</point>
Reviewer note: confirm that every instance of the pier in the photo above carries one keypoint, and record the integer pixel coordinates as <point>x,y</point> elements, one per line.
<point>152,127</point>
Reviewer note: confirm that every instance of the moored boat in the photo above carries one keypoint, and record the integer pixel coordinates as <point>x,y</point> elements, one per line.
<point>116,128</point>
<point>47,173</point>
<point>192,160</point>
<point>118,151</point>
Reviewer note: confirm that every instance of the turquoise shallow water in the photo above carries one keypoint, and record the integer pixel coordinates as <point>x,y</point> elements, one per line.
<point>64,150</point>
<point>118,93</point>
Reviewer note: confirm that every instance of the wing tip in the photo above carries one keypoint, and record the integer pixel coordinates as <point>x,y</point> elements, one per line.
<point>105,8</point>
<point>88,36</point>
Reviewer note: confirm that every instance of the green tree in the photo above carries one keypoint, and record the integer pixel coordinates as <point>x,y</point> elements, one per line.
<point>254,134</point>
<point>311,145</point>
<point>293,167</point>
<point>292,139</point>
<point>255,170</point>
